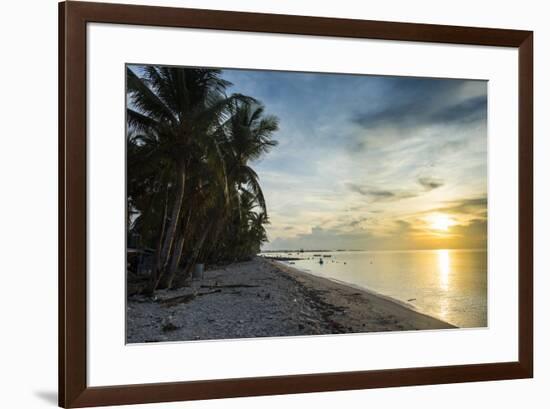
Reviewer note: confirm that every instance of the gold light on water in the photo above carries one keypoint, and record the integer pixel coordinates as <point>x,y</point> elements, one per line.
<point>444,268</point>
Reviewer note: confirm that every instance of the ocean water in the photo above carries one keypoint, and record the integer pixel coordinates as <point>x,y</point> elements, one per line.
<point>447,284</point>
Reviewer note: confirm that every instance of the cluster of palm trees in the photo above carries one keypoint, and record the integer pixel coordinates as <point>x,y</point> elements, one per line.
<point>192,195</point>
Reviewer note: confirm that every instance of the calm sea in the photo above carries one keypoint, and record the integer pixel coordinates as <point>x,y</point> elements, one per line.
<point>446,284</point>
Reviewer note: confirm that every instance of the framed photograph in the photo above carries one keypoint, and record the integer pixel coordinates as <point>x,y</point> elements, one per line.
<point>255,204</point>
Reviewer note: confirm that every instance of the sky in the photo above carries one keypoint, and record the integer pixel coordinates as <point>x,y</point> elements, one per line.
<point>372,162</point>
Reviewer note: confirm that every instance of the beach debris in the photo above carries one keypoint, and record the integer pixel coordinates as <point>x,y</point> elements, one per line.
<point>181,299</point>
<point>168,324</point>
<point>230,286</point>
<point>284,258</point>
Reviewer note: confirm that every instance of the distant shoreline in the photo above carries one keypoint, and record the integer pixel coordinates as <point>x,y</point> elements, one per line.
<point>264,298</point>
<point>366,250</point>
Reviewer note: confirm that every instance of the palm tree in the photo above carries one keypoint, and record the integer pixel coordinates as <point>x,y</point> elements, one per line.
<point>207,196</point>
<point>175,112</point>
<point>245,136</point>
<point>189,148</point>
<point>249,136</point>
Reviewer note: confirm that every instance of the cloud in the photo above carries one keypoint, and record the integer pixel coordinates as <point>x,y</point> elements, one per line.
<point>357,222</point>
<point>417,102</point>
<point>387,195</point>
<point>474,232</point>
<point>477,206</point>
<point>403,226</point>
<point>429,183</point>
<point>320,238</point>
<point>471,110</point>
<point>404,236</point>
<point>380,195</point>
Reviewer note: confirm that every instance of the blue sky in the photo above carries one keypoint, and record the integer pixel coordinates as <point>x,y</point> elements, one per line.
<point>372,162</point>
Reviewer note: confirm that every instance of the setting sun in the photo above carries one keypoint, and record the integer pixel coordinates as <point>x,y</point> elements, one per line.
<point>441,222</point>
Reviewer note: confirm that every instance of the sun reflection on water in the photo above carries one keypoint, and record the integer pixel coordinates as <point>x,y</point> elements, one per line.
<point>444,268</point>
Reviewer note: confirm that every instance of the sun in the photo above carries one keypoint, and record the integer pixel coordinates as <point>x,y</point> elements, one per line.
<point>441,222</point>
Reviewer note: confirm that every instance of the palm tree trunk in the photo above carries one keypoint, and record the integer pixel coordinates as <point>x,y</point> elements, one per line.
<point>155,271</point>
<point>196,251</point>
<point>168,277</point>
<point>166,249</point>
<point>176,256</point>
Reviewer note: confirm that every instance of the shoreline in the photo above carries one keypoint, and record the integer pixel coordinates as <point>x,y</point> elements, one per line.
<point>371,295</point>
<point>265,298</point>
<point>358,288</point>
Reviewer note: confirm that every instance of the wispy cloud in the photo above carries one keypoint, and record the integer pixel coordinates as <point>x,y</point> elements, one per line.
<point>417,102</point>
<point>387,195</point>
<point>471,206</point>
<point>429,183</point>
<point>380,195</point>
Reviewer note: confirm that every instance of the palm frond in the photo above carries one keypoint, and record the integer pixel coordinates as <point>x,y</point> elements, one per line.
<point>144,99</point>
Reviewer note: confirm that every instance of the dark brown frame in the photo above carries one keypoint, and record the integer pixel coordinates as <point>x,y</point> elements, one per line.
<point>73,388</point>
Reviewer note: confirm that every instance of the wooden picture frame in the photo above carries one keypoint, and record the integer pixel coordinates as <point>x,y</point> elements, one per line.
<point>73,388</point>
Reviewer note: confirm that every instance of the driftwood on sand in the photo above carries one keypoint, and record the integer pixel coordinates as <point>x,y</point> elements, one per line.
<point>182,299</point>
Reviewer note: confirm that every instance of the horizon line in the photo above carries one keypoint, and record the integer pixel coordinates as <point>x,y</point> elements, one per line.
<point>396,249</point>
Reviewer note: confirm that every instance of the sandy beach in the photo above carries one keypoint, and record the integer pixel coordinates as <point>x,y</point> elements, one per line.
<point>264,298</point>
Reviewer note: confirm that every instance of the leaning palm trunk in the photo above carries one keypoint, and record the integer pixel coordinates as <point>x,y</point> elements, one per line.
<point>167,246</point>
<point>194,256</point>
<point>169,276</point>
<point>154,272</point>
